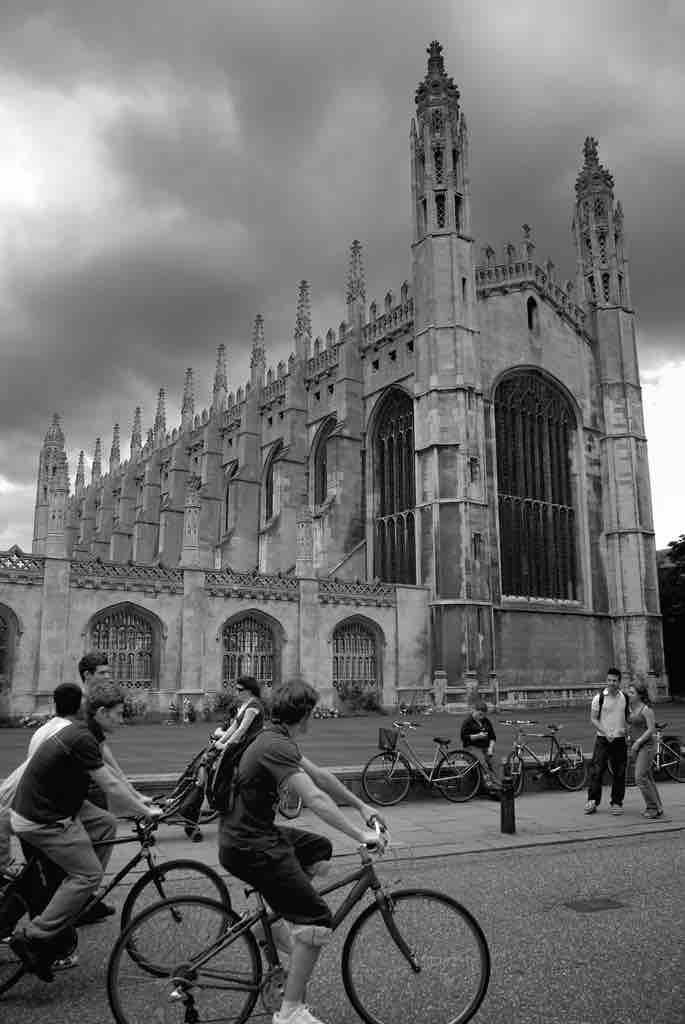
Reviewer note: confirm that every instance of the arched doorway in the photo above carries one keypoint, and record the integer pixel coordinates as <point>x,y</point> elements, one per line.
<point>129,639</point>
<point>249,648</point>
<point>535,432</point>
<point>356,658</point>
<point>8,632</point>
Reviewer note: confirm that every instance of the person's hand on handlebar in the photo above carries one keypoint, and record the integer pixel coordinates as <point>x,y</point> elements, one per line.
<point>153,812</point>
<point>370,814</point>
<point>376,837</point>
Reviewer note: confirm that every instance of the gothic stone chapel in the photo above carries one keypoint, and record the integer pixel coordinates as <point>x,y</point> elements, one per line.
<point>449,491</point>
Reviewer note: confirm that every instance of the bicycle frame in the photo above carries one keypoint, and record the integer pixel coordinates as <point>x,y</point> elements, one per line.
<point>440,751</point>
<point>544,762</point>
<point>364,878</point>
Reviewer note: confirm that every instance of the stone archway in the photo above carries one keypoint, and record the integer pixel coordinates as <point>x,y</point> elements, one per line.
<point>129,636</point>
<point>250,646</point>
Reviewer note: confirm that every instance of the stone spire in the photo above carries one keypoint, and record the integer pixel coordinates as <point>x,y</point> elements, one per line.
<point>136,435</point>
<point>258,357</point>
<point>602,270</point>
<point>188,404</point>
<point>356,284</point>
<point>54,437</point>
<point>115,451</point>
<point>592,177</point>
<point>96,469</point>
<point>51,494</point>
<point>303,322</point>
<point>159,429</point>
<point>150,439</point>
<point>80,482</point>
<point>437,87</point>
<point>220,389</point>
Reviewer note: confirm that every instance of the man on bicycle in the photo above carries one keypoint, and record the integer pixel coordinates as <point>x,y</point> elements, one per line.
<point>280,862</point>
<point>50,812</point>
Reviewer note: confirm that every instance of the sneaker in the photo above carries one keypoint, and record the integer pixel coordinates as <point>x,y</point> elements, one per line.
<point>590,807</point>
<point>31,956</point>
<point>652,814</point>
<point>616,809</point>
<point>65,963</point>
<point>95,913</point>
<point>300,1015</point>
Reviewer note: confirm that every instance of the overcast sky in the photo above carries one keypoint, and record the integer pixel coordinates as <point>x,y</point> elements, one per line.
<point>170,169</point>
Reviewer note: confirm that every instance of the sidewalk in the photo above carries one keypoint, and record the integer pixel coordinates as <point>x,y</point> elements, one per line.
<point>435,827</point>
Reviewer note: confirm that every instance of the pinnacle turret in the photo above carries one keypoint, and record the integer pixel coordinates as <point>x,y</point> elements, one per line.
<point>188,404</point>
<point>602,275</point>
<point>258,356</point>
<point>96,469</point>
<point>159,429</point>
<point>54,437</point>
<point>220,388</point>
<point>303,321</point>
<point>115,451</point>
<point>437,87</point>
<point>136,435</point>
<point>593,176</point>
<point>80,482</point>
<point>356,285</point>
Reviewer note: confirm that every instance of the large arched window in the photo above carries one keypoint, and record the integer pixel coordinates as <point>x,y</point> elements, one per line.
<point>535,429</point>
<point>227,517</point>
<point>355,657</point>
<point>270,503</point>
<point>394,480</point>
<point>321,462</point>
<point>249,648</point>
<point>128,637</point>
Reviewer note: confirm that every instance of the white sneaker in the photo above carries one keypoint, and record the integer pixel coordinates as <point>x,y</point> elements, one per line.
<point>65,963</point>
<point>590,807</point>
<point>300,1015</point>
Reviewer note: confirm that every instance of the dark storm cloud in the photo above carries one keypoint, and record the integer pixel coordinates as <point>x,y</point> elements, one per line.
<point>245,145</point>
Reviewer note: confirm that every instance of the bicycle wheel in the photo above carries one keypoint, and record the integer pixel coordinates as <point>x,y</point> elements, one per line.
<point>672,758</point>
<point>386,778</point>
<point>572,773</point>
<point>223,990</point>
<point>518,773</point>
<point>289,804</point>
<point>458,776</point>
<point>11,967</point>
<point>173,878</point>
<point>448,975</point>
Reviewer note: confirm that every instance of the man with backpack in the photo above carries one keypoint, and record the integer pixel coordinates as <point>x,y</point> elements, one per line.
<point>609,715</point>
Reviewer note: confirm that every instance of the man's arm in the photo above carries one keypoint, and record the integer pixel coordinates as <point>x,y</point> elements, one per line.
<point>594,715</point>
<point>113,765</point>
<point>124,798</point>
<point>320,802</point>
<point>334,788</point>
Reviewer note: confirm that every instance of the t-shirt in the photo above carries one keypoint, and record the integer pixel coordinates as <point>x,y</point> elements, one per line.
<point>45,731</point>
<point>612,717</point>
<point>471,727</point>
<point>271,758</point>
<point>56,779</point>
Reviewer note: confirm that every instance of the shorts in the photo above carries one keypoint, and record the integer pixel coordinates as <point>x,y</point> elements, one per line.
<point>277,872</point>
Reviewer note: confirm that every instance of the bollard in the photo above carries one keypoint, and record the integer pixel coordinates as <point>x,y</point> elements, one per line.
<point>507,814</point>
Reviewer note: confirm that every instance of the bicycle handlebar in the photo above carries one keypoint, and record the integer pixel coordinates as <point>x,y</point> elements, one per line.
<point>407,725</point>
<point>520,721</point>
<point>383,837</point>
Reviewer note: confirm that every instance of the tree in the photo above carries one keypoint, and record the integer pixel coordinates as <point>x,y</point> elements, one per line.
<point>672,597</point>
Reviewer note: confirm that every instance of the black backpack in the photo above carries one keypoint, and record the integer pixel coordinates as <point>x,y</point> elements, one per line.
<point>220,786</point>
<point>626,699</point>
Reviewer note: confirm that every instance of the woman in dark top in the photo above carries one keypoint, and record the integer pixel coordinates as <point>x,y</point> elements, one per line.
<point>249,717</point>
<point>643,749</point>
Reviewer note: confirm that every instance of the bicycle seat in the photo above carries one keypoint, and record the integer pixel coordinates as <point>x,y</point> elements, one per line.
<point>661,725</point>
<point>440,739</point>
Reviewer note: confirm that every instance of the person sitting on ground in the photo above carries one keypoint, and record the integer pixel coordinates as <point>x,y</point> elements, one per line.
<point>50,812</point>
<point>478,738</point>
<point>280,862</point>
<point>67,700</point>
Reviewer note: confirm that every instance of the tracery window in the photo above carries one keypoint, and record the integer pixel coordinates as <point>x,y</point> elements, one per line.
<point>535,429</point>
<point>227,494</point>
<point>533,316</point>
<point>321,463</point>
<point>249,648</point>
<point>269,503</point>
<point>127,637</point>
<point>394,550</point>
<point>355,657</point>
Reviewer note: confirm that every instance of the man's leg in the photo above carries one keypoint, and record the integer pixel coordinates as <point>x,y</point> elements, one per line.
<point>71,849</point>
<point>600,755</point>
<point>618,757</point>
<point>489,777</point>
<point>307,942</point>
<point>101,827</point>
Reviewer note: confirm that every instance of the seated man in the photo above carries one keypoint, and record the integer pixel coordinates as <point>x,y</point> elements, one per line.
<point>51,813</point>
<point>478,738</point>
<point>279,862</point>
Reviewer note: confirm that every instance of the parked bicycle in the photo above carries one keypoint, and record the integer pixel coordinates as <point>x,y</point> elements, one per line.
<point>564,762</point>
<point>202,956</point>
<point>668,757</point>
<point>387,776</point>
<point>31,889</point>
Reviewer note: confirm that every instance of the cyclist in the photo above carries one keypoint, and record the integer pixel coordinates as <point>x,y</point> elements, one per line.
<point>280,862</point>
<point>51,813</point>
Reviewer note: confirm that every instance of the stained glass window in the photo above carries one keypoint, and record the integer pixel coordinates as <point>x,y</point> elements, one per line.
<point>394,472</point>
<point>127,637</point>
<point>249,648</point>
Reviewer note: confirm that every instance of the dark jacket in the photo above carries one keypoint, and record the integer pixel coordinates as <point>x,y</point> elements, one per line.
<point>471,727</point>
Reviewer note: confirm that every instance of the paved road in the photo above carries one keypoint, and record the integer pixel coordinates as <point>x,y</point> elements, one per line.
<point>551,964</point>
<point>145,749</point>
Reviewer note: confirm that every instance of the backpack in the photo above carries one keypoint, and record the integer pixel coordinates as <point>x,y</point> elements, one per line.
<point>221,782</point>
<point>625,697</point>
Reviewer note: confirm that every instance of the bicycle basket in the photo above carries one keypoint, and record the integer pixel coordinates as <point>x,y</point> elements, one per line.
<point>387,739</point>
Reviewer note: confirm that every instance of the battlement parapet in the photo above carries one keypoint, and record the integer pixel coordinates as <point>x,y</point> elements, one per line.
<point>357,592</point>
<point>96,574</point>
<point>521,273</point>
<point>388,323</point>
<point>253,585</point>
<point>17,567</point>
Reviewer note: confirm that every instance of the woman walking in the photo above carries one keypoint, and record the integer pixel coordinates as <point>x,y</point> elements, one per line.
<point>643,749</point>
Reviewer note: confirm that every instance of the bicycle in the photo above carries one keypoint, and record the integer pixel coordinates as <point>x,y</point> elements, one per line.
<point>421,703</point>
<point>387,776</point>
<point>31,889</point>
<point>565,762</point>
<point>668,757</point>
<point>204,957</point>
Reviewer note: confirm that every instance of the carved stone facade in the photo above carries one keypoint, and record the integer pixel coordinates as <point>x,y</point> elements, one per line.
<point>451,484</point>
